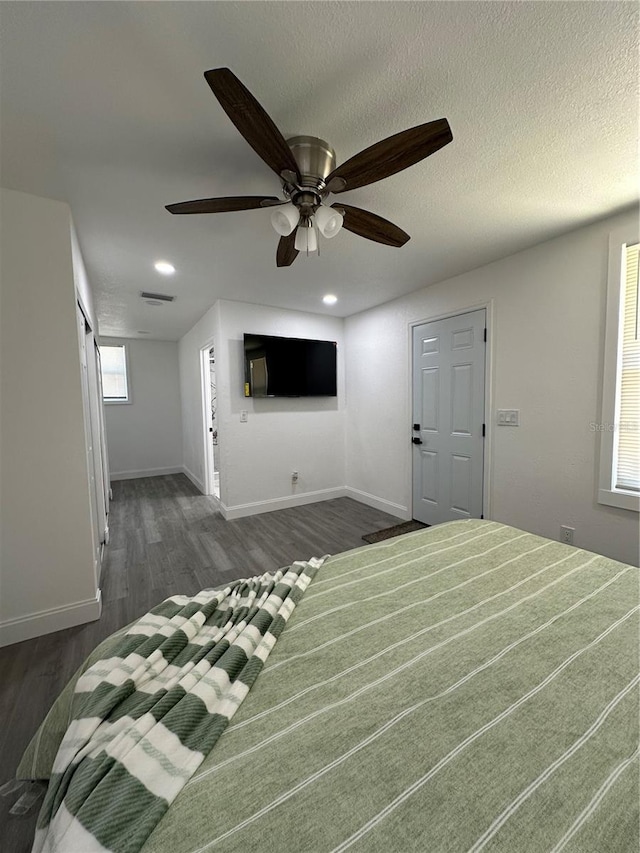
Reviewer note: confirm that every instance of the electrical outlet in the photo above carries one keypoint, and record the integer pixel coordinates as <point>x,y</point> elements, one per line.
<point>566,534</point>
<point>244,416</point>
<point>294,476</point>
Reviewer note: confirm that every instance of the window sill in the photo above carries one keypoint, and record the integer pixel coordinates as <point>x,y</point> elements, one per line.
<point>624,500</point>
<point>116,402</point>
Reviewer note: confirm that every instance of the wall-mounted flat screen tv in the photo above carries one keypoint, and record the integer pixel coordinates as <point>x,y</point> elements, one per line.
<point>289,367</point>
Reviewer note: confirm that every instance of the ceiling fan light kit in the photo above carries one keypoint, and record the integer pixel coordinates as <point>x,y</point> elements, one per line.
<point>329,221</point>
<point>285,218</point>
<point>306,238</point>
<point>306,166</point>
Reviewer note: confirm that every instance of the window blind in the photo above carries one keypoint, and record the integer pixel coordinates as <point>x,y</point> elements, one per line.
<point>627,456</point>
<point>114,374</point>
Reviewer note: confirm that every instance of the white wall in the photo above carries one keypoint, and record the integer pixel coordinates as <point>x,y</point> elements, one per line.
<point>547,346</point>
<point>81,281</point>
<point>281,435</point>
<point>144,436</point>
<point>47,578</point>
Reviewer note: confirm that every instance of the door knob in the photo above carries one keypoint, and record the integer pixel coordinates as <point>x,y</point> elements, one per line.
<point>416,440</point>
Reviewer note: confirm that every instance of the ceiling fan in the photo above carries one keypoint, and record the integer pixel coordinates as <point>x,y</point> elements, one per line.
<point>307,169</point>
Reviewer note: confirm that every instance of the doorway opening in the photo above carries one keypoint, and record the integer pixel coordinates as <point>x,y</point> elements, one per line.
<point>209,406</point>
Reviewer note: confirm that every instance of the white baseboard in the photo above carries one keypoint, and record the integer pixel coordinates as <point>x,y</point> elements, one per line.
<point>48,621</point>
<point>195,480</point>
<point>149,472</point>
<point>378,503</point>
<point>241,510</point>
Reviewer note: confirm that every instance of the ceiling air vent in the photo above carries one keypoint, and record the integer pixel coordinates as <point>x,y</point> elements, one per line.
<point>160,297</point>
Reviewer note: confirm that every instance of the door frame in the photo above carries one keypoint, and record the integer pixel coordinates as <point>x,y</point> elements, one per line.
<point>205,396</point>
<point>487,472</point>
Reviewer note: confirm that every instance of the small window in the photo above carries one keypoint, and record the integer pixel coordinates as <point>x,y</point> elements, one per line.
<point>620,429</point>
<point>115,384</point>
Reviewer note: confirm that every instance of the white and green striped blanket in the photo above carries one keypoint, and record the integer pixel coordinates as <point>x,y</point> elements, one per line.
<point>144,719</point>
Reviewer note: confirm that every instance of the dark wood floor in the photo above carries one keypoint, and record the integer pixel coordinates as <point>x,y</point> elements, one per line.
<point>166,538</point>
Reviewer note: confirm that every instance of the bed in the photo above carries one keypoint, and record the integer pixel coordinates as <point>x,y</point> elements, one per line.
<point>463,688</point>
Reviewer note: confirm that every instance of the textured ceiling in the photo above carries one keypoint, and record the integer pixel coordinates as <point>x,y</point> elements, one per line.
<point>104,105</point>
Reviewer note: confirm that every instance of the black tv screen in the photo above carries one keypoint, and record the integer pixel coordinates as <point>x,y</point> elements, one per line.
<point>289,367</point>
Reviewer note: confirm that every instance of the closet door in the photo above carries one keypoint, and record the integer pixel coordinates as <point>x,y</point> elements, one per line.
<point>86,405</point>
<point>103,437</point>
<point>97,436</point>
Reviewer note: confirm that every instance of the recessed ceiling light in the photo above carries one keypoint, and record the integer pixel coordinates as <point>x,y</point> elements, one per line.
<point>329,299</point>
<point>164,267</point>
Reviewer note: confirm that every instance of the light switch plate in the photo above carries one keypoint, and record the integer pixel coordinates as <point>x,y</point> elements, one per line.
<point>244,416</point>
<point>508,417</point>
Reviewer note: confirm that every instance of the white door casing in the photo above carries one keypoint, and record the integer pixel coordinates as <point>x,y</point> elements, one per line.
<point>448,418</point>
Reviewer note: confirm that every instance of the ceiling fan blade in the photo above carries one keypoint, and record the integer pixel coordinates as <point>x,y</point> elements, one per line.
<point>287,253</point>
<point>370,225</point>
<point>251,120</point>
<point>392,155</point>
<point>222,205</point>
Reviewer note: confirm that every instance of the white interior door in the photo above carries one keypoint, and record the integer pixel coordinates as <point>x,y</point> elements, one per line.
<point>103,438</point>
<point>95,410</point>
<point>448,418</point>
<point>89,439</point>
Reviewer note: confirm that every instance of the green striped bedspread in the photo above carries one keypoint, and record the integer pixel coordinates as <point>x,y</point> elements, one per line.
<point>468,687</point>
<point>463,688</point>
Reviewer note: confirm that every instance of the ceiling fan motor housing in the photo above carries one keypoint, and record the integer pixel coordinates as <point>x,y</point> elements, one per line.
<point>315,158</point>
